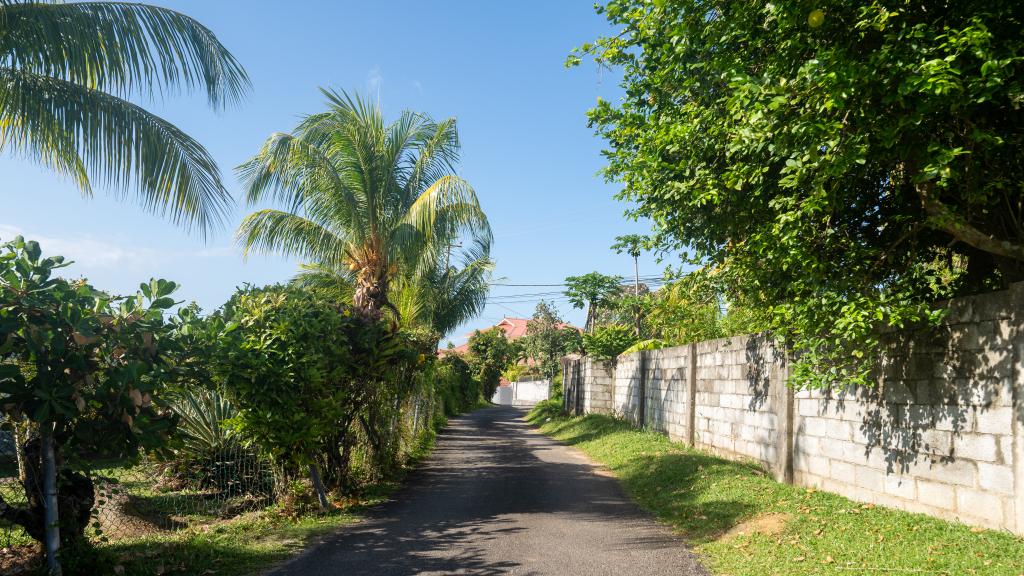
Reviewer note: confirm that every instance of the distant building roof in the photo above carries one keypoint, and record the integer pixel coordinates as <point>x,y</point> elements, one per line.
<point>514,329</point>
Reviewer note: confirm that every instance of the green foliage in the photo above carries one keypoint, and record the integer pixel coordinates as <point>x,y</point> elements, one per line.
<point>513,373</point>
<point>85,366</point>
<point>452,378</point>
<point>650,344</point>
<point>547,339</point>
<point>90,364</point>
<point>605,343</point>
<point>694,308</point>
<point>374,201</point>
<point>441,297</point>
<point>840,177</point>
<point>69,72</point>
<point>592,291</point>
<point>202,414</point>
<point>632,244</point>
<point>295,366</point>
<point>490,353</point>
<point>207,453</point>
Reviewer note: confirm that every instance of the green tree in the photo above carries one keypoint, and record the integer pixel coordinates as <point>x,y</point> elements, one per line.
<point>66,75</point>
<point>842,174</point>
<point>634,244</point>
<point>695,308</point>
<point>605,343</point>
<point>89,371</point>
<point>548,338</point>
<point>592,291</point>
<point>490,353</point>
<point>299,369</point>
<point>366,198</point>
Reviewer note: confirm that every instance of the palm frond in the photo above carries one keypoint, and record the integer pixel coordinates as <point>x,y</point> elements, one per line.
<point>334,282</point>
<point>293,171</point>
<point>116,142</point>
<point>445,211</point>
<point>119,47</point>
<point>463,295</point>
<point>279,232</point>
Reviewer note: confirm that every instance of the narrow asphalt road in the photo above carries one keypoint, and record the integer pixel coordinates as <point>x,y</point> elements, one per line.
<point>498,498</point>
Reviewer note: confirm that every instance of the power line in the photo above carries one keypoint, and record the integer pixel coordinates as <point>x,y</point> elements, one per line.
<point>650,278</point>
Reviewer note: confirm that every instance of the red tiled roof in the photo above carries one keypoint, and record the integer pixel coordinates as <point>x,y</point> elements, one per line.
<point>514,328</point>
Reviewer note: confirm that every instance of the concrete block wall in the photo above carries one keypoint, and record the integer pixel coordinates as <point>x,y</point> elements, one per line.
<point>598,394</point>
<point>942,432</point>
<point>740,400</point>
<point>667,391</point>
<point>627,387</point>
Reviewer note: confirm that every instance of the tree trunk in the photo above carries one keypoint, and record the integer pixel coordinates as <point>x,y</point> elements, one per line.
<point>943,218</point>
<point>318,486</point>
<point>19,452</point>
<point>52,512</point>
<point>75,498</point>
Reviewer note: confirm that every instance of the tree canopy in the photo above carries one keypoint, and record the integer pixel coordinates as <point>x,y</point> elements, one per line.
<point>592,291</point>
<point>841,173</point>
<point>548,338</point>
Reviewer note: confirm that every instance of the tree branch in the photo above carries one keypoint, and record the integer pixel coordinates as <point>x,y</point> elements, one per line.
<point>942,218</point>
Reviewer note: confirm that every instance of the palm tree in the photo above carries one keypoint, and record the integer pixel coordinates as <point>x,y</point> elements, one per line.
<point>374,201</point>
<point>67,72</point>
<point>441,298</point>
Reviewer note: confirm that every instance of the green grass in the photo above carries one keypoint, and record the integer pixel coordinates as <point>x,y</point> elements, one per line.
<point>821,534</point>
<point>245,545</point>
<point>248,544</point>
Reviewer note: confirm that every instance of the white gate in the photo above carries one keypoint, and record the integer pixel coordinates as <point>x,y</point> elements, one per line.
<point>525,393</point>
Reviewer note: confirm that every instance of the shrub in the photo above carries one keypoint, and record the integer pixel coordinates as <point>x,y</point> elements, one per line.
<point>88,370</point>
<point>605,343</point>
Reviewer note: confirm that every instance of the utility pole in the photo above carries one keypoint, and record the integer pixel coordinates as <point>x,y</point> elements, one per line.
<point>632,244</point>
<point>635,253</point>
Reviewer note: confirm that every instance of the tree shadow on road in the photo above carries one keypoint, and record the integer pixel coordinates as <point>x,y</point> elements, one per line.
<point>461,512</point>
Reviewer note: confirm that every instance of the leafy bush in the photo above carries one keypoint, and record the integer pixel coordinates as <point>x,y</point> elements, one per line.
<point>88,370</point>
<point>300,371</point>
<point>605,343</point>
<point>651,344</point>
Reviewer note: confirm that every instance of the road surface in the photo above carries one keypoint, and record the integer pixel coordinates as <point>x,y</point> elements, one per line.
<point>496,497</point>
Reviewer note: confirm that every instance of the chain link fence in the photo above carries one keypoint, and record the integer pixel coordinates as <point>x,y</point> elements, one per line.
<point>145,498</point>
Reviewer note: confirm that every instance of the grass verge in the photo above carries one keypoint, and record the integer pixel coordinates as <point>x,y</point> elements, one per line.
<point>251,543</point>
<point>742,522</point>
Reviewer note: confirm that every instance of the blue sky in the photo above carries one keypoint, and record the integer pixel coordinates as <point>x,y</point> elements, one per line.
<point>496,66</point>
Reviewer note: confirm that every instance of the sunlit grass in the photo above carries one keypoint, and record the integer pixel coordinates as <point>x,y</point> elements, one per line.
<point>813,533</point>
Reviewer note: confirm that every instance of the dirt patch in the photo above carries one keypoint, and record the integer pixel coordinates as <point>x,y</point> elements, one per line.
<point>769,524</point>
<point>17,560</point>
